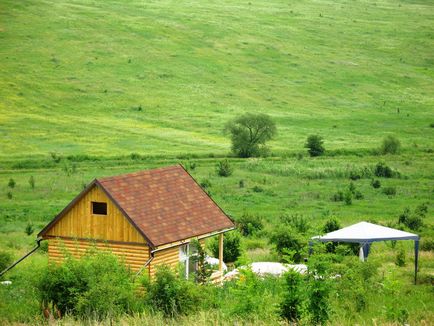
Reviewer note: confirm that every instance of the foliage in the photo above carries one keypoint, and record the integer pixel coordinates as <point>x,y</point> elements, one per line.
<point>32,182</point>
<point>338,196</point>
<point>384,171</point>
<point>413,221</point>
<point>427,244</point>
<point>249,224</point>
<point>11,183</point>
<point>171,294</point>
<point>292,304</point>
<point>390,145</point>
<point>205,184</point>
<point>224,168</point>
<point>9,195</point>
<point>96,285</point>
<point>6,260</point>
<point>315,145</point>
<point>204,270</point>
<point>288,243</point>
<point>400,258</point>
<point>389,191</point>
<point>318,293</point>
<point>375,183</point>
<point>331,225</point>
<point>296,221</point>
<point>231,246</point>
<point>29,228</point>
<point>249,134</point>
<point>348,197</point>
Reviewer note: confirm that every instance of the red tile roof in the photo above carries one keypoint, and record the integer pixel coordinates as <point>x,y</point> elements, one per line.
<point>165,204</point>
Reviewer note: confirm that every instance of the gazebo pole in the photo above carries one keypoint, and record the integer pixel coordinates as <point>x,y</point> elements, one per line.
<point>416,259</point>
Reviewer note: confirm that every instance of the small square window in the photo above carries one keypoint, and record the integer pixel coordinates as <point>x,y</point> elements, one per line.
<point>99,208</point>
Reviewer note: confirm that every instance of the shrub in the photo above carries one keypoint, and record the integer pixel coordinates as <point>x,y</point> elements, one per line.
<point>231,248</point>
<point>205,184</point>
<point>383,171</point>
<point>390,145</point>
<point>249,224</point>
<point>348,198</point>
<point>171,294</point>
<point>389,191</point>
<point>204,270</point>
<point>375,183</point>
<point>338,196</point>
<point>291,307</point>
<point>241,183</point>
<point>315,145</point>
<point>249,134</point>
<point>352,188</point>
<point>400,258</point>
<point>6,260</point>
<point>289,245</point>
<point>257,189</point>
<point>224,168</point>
<point>296,221</point>
<point>358,195</point>
<point>32,182</point>
<point>427,245</point>
<point>96,285</point>
<point>11,183</point>
<point>331,225</point>
<point>9,195</point>
<point>29,228</point>
<point>414,221</point>
<point>319,307</point>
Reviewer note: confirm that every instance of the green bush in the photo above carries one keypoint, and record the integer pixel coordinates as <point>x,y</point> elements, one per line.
<point>9,195</point>
<point>427,244</point>
<point>400,258</point>
<point>32,182</point>
<point>338,196</point>
<point>231,247</point>
<point>296,221</point>
<point>348,198</point>
<point>249,224</point>
<point>29,228</point>
<point>389,191</point>
<point>375,183</point>
<point>381,170</point>
<point>289,244</point>
<point>390,145</point>
<point>319,306</point>
<point>331,225</point>
<point>413,221</point>
<point>11,183</point>
<point>205,184</point>
<point>224,168</point>
<point>97,285</point>
<point>171,294</point>
<point>6,259</point>
<point>315,145</point>
<point>292,304</point>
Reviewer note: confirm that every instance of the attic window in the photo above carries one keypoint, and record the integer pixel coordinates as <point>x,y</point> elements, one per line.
<point>99,208</point>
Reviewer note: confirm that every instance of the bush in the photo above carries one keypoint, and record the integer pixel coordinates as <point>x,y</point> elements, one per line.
<point>205,184</point>
<point>338,196</point>
<point>427,245</point>
<point>257,189</point>
<point>289,245</point>
<point>204,270</point>
<point>171,294</point>
<point>358,195</point>
<point>296,221</point>
<point>11,183</point>
<point>389,191</point>
<point>249,134</point>
<point>29,228</point>
<point>249,224</point>
<point>231,247</point>
<point>291,307</point>
<point>314,144</point>
<point>414,220</point>
<point>383,171</point>
<point>224,168</point>
<point>400,258</point>
<point>96,285</point>
<point>348,198</point>
<point>375,183</point>
<point>390,145</point>
<point>9,195</point>
<point>32,182</point>
<point>6,259</point>
<point>331,225</point>
<point>319,307</point>
<point>241,184</point>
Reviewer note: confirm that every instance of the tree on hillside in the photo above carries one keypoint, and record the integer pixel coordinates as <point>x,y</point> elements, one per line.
<point>249,133</point>
<point>315,145</point>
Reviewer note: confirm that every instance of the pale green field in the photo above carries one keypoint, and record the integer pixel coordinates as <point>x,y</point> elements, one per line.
<point>74,74</point>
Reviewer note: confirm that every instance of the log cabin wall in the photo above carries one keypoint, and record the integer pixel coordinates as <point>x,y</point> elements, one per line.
<point>79,222</point>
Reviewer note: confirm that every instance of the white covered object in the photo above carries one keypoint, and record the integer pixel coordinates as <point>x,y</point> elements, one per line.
<point>215,262</point>
<point>366,232</point>
<point>268,268</point>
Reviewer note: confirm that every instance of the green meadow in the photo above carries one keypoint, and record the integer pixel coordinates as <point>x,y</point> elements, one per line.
<point>98,88</point>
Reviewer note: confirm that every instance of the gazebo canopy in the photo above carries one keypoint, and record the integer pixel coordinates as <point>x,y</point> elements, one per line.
<point>365,233</point>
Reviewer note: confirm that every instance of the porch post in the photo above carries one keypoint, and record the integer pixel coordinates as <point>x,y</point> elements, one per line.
<point>221,252</point>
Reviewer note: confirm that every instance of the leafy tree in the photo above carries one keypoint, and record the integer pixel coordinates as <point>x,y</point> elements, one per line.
<point>315,145</point>
<point>289,244</point>
<point>249,133</point>
<point>390,145</point>
<point>249,224</point>
<point>231,247</point>
<point>331,225</point>
<point>203,271</point>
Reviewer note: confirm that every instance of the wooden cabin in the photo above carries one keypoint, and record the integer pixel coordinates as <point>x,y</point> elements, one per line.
<point>147,218</point>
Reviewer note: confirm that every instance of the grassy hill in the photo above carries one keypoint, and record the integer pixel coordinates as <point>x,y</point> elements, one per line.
<point>98,88</point>
<point>162,77</point>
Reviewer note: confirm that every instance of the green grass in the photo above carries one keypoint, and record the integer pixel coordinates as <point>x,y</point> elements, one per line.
<point>74,74</point>
<point>95,82</point>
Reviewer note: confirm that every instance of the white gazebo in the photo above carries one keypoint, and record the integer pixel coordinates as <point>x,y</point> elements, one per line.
<point>365,233</point>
